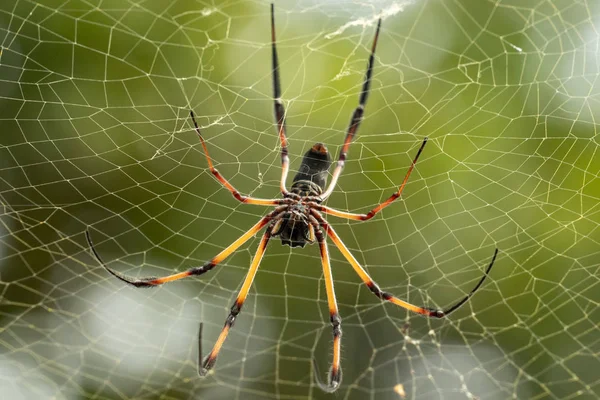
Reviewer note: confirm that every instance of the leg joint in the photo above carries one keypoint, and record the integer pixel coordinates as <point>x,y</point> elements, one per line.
<point>336,320</point>
<point>230,320</point>
<point>367,216</point>
<point>319,234</point>
<point>337,331</point>
<point>235,309</point>
<point>435,313</point>
<point>336,323</point>
<point>238,196</point>
<point>375,289</point>
<point>358,112</point>
<point>205,268</point>
<point>144,282</point>
<point>357,117</point>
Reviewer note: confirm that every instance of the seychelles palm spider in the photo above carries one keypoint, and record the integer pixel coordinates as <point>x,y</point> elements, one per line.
<point>297,220</point>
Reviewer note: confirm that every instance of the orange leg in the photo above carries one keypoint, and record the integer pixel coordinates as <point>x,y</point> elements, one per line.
<point>335,373</point>
<point>364,276</point>
<point>356,119</point>
<point>371,214</point>
<point>154,281</point>
<point>211,359</point>
<point>279,109</point>
<point>225,182</point>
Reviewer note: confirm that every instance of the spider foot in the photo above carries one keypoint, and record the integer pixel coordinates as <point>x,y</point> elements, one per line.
<point>143,282</point>
<point>207,365</point>
<point>204,364</point>
<point>333,381</point>
<point>202,372</point>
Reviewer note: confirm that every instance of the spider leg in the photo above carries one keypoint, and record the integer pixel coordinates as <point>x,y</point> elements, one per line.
<point>371,214</point>
<point>428,312</point>
<point>211,359</point>
<point>154,281</point>
<point>225,182</point>
<point>335,373</point>
<point>357,117</point>
<point>279,109</point>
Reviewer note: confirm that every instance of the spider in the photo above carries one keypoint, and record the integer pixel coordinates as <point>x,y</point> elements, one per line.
<point>298,220</point>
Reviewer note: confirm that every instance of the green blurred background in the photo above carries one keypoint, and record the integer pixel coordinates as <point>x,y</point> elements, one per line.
<point>95,133</point>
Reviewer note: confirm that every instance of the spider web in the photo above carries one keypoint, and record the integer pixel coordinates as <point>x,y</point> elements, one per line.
<point>95,133</point>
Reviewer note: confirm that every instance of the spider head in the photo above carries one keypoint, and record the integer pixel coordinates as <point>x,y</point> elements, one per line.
<point>294,229</point>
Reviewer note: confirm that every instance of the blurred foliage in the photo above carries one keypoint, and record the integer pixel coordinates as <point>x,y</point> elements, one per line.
<point>95,134</point>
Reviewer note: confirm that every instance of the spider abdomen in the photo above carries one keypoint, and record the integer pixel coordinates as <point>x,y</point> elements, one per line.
<point>312,174</point>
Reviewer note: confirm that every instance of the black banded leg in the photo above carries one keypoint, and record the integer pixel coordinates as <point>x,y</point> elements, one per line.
<point>373,212</point>
<point>356,119</point>
<point>154,281</point>
<point>225,182</point>
<point>451,309</point>
<point>335,373</point>
<point>211,359</point>
<point>200,348</point>
<point>278,107</point>
<point>364,276</point>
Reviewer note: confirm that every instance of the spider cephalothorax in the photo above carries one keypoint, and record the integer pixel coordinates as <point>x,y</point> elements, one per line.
<point>293,226</point>
<point>297,219</point>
